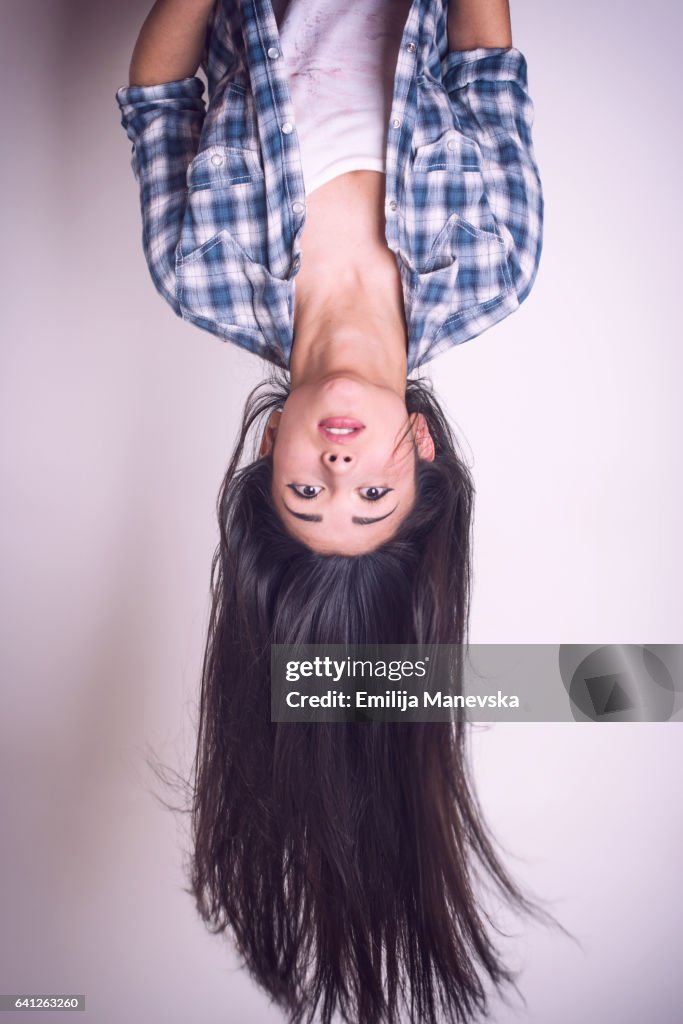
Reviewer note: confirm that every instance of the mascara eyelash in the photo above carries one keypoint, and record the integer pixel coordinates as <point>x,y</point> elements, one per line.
<point>384,493</point>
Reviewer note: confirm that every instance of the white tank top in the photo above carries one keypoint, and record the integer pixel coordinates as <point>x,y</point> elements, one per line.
<point>341,58</point>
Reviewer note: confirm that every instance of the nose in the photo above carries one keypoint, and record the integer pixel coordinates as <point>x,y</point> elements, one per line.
<point>337,462</point>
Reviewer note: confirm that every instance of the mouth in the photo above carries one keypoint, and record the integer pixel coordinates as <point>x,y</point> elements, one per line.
<point>340,428</point>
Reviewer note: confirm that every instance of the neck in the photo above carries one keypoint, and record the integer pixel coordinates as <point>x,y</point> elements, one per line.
<point>351,324</point>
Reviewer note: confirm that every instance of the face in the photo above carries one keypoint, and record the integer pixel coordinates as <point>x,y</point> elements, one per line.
<point>344,464</point>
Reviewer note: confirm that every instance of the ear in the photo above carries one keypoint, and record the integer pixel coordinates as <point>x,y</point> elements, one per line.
<point>423,439</point>
<point>270,433</point>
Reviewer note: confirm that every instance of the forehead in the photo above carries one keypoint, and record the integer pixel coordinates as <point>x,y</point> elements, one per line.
<point>346,539</point>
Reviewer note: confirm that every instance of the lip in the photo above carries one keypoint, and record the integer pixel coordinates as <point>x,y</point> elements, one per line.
<point>334,423</point>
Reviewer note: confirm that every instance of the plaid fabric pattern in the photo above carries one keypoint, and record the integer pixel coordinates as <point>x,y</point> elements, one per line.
<point>223,199</point>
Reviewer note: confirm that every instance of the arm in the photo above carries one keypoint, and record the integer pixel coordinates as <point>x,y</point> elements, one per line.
<point>163,112</point>
<point>171,42</point>
<point>478,23</point>
<point>487,84</point>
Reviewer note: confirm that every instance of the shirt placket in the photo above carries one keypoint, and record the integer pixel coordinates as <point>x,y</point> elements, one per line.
<point>278,136</point>
<point>401,126</point>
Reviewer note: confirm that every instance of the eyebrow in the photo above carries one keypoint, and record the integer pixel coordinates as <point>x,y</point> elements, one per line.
<point>358,520</point>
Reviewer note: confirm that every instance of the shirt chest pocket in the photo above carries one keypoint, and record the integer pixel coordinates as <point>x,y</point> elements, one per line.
<point>221,289</point>
<point>448,189</point>
<point>223,281</point>
<point>225,193</point>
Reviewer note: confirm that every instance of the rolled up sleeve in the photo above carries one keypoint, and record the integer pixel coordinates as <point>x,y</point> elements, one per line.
<point>164,124</point>
<point>491,106</point>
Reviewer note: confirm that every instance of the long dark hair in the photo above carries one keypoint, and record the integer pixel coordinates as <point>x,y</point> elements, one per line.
<point>342,857</point>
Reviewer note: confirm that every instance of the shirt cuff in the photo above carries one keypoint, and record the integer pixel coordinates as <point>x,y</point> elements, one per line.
<point>483,65</point>
<point>141,104</point>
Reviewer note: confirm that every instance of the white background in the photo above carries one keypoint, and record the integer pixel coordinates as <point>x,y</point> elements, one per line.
<point>117,423</point>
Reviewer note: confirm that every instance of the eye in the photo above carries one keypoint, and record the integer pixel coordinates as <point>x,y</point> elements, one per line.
<point>374,493</point>
<point>307,491</point>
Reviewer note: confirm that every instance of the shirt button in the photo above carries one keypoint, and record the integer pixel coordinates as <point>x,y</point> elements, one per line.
<point>451,144</point>
<point>411,47</point>
<point>273,53</point>
<point>393,205</point>
<point>298,207</point>
<point>396,123</point>
<point>216,160</point>
<point>287,128</point>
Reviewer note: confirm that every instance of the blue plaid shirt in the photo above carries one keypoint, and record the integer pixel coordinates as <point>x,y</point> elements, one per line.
<point>223,199</point>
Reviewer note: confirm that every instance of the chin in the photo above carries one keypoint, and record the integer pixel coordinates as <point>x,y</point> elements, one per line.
<point>344,380</point>
<point>345,389</point>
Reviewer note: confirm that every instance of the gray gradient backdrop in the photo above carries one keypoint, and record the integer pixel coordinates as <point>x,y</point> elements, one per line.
<point>117,420</point>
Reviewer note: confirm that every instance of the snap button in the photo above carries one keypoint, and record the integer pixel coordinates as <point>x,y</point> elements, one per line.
<point>452,144</point>
<point>393,205</point>
<point>298,207</point>
<point>411,47</point>
<point>216,160</point>
<point>396,123</point>
<point>273,53</point>
<point>287,128</point>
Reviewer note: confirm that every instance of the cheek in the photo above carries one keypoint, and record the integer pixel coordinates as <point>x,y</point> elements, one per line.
<point>405,458</point>
<point>293,461</point>
<point>279,469</point>
<point>284,449</point>
<point>405,476</point>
